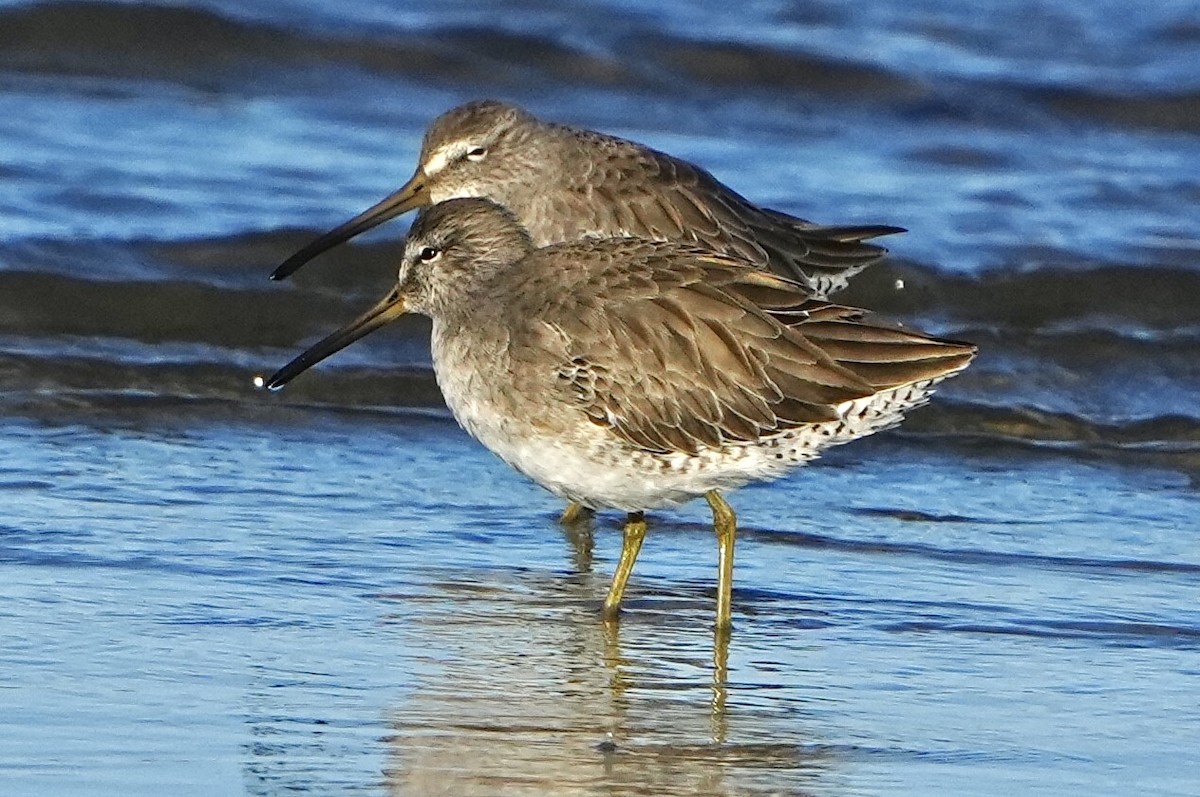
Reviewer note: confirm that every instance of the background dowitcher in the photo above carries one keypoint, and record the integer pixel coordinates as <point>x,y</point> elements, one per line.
<point>565,183</point>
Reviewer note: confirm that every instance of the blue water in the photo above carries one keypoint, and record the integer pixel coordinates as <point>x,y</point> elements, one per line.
<point>318,608</point>
<point>209,590</point>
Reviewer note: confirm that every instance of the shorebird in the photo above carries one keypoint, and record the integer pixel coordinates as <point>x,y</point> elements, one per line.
<point>632,374</point>
<point>565,183</point>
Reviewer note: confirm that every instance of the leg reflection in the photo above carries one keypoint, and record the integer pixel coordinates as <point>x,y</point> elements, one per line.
<point>720,684</point>
<point>613,660</point>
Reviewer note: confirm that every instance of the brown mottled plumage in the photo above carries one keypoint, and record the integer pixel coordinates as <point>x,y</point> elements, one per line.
<point>634,374</point>
<point>564,184</point>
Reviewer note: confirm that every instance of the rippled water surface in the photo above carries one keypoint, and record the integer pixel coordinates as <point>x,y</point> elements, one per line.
<point>209,590</point>
<point>211,607</point>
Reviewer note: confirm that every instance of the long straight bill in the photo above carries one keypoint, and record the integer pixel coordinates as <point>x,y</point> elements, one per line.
<point>411,196</point>
<point>386,311</point>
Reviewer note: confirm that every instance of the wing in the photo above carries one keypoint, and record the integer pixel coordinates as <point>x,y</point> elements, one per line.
<point>676,349</point>
<point>651,194</point>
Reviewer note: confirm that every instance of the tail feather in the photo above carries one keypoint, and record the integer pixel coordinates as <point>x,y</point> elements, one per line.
<point>822,257</point>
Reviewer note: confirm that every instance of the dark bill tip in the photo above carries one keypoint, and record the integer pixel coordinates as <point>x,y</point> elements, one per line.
<point>411,196</point>
<point>388,309</point>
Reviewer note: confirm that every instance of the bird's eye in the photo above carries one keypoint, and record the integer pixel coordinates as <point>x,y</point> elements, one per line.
<point>476,154</point>
<point>428,253</point>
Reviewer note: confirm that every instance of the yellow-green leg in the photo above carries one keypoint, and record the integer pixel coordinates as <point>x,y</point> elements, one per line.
<point>573,513</point>
<point>576,522</point>
<point>725,524</point>
<point>635,532</point>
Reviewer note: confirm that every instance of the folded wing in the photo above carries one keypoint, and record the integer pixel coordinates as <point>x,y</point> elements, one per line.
<point>682,349</point>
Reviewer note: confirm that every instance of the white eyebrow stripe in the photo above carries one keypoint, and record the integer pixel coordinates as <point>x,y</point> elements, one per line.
<point>437,161</point>
<point>440,158</point>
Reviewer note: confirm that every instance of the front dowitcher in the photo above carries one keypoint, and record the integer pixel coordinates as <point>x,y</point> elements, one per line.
<point>564,183</point>
<point>631,374</point>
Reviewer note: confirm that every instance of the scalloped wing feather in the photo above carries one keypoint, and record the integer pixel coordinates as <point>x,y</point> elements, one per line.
<point>696,349</point>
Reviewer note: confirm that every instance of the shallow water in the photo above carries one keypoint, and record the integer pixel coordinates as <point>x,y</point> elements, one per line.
<point>209,590</point>
<point>216,606</point>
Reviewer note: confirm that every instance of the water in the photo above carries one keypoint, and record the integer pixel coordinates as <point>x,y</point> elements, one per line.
<point>209,590</point>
